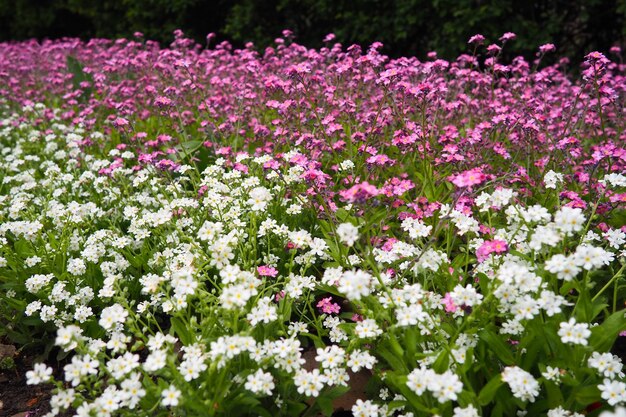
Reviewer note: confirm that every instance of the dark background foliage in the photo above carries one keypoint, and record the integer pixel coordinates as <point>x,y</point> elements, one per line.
<point>406,27</point>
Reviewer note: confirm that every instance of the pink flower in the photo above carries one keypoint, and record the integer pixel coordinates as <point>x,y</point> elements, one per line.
<point>359,193</point>
<point>477,39</point>
<point>267,271</point>
<point>489,247</point>
<point>449,304</point>
<point>120,122</point>
<point>272,164</point>
<point>508,36</point>
<point>330,37</point>
<point>548,47</point>
<point>326,305</point>
<point>241,167</point>
<point>468,178</point>
<point>356,317</point>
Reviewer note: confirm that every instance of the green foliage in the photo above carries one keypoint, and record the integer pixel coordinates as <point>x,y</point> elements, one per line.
<point>406,27</point>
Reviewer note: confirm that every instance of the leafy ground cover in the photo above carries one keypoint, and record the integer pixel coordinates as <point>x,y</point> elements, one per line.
<point>193,231</point>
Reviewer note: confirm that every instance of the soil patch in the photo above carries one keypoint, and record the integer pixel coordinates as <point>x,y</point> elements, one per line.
<point>16,398</point>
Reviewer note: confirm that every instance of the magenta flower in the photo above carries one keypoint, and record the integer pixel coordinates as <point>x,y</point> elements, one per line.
<point>468,178</point>
<point>356,318</point>
<point>267,271</point>
<point>326,305</point>
<point>449,304</point>
<point>548,47</point>
<point>489,247</point>
<point>508,36</point>
<point>359,193</point>
<point>477,39</point>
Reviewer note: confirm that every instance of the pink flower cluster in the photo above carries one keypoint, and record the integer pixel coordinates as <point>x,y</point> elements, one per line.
<point>267,271</point>
<point>326,306</point>
<point>471,120</point>
<point>491,246</point>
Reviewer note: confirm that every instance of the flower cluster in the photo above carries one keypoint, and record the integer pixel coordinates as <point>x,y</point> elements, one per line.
<point>224,232</point>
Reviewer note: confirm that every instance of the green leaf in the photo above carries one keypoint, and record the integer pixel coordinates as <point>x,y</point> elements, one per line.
<point>295,408</point>
<point>588,395</point>
<point>583,309</point>
<point>603,336</point>
<point>555,397</point>
<point>75,68</point>
<point>497,346</point>
<point>398,383</point>
<point>483,281</point>
<point>488,392</point>
<point>181,331</point>
<point>189,147</point>
<point>325,404</point>
<point>22,248</point>
<point>441,363</point>
<point>343,215</point>
<point>393,354</point>
<point>410,342</point>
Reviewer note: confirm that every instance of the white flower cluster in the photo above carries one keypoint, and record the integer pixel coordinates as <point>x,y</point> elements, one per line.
<point>523,385</point>
<point>187,278</point>
<point>444,387</point>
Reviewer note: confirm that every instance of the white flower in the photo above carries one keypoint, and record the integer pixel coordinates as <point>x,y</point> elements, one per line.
<point>552,374</point>
<point>607,364</point>
<point>259,197</point>
<point>112,315</point>
<point>569,220</point>
<point>469,411</point>
<point>552,178</point>
<point>355,284</point>
<point>367,328</point>
<point>32,308</point>
<point>410,315</point>
<point>415,228</point>
<point>191,367</point>
<point>265,311</point>
<point>523,385</point>
<point>37,282</point>
<point>32,261</point>
<point>122,365</point>
<point>76,267</point>
<point>447,387</point>
<point>619,412</point>
<point>561,412</point>
<point>348,233</point>
<point>346,165</point>
<point>82,313</point>
<point>418,380</point>
<point>574,333</point>
<point>40,373</point>
<point>590,257</point>
<point>330,356</point>
<point>63,399</point>
<point>466,296</point>
<point>309,383</point>
<point>170,396</point>
<point>614,392</point>
<point>67,337</point>
<point>260,383</point>
<point>155,361</point>
<point>615,237</point>
<point>444,387</point>
<point>364,409</point>
<point>616,180</point>
<point>565,267</point>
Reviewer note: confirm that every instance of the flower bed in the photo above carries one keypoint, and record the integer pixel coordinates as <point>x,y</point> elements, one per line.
<point>201,232</point>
